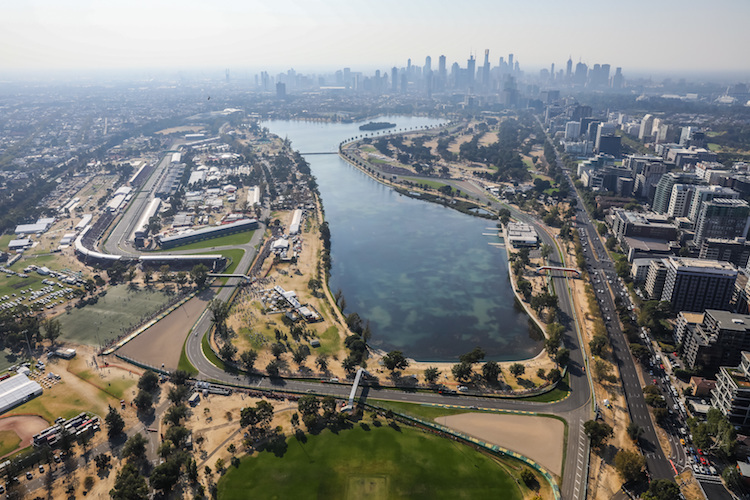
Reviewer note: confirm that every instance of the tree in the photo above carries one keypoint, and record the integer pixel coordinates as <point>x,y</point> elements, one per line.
<point>517,369</point>
<point>554,338</point>
<point>661,415</point>
<point>164,274</point>
<point>248,358</point>
<point>179,377</point>
<point>640,352</point>
<point>461,371</point>
<point>308,405</point>
<point>258,417</point>
<point>598,432</point>
<point>431,374</point>
<point>52,329</point>
<point>395,360</point>
<point>177,434</point>
<point>732,478</point>
<point>662,489</point>
<point>135,447</point>
<point>599,345</point>
<point>273,368</point>
<point>322,362</point>
<point>88,483</point>
<point>115,423</point>
<point>219,314</point>
<point>199,275</point>
<point>554,375</point>
<point>490,372</point>
<point>529,479</point>
<point>165,475</point>
<point>546,250</point>
<point>148,381</point>
<point>524,288</point>
<point>635,431</point>
<point>175,414</point>
<point>629,465</point>
<point>227,351</point>
<point>177,394</point>
<point>102,461</point>
<point>563,356</point>
<point>277,349</point>
<point>144,401</point>
<point>474,356</point>
<point>129,484</point>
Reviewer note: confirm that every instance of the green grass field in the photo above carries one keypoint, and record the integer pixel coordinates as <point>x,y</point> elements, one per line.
<point>9,441</point>
<point>560,392</point>
<point>426,182</point>
<point>369,463</point>
<point>425,412</point>
<point>230,239</point>
<point>105,320</point>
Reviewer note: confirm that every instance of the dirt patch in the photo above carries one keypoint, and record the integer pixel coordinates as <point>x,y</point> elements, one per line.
<point>24,426</point>
<point>162,343</point>
<point>538,438</point>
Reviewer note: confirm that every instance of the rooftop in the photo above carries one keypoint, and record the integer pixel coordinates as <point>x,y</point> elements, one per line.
<point>703,264</point>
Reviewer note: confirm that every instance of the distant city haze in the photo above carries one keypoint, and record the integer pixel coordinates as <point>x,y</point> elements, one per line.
<point>664,37</point>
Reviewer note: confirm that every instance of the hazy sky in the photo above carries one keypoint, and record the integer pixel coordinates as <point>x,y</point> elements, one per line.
<point>279,34</point>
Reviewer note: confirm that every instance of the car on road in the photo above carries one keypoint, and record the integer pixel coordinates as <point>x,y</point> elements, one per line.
<point>2,488</point>
<point>29,476</point>
<point>41,469</point>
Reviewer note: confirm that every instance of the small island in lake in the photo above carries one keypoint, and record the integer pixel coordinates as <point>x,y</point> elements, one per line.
<point>376,126</point>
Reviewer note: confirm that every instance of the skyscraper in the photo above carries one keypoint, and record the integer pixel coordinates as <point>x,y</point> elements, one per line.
<point>486,69</point>
<point>723,218</point>
<point>470,70</point>
<point>664,189</point>
<point>442,73</point>
<point>427,65</point>
<point>569,68</point>
<point>394,79</point>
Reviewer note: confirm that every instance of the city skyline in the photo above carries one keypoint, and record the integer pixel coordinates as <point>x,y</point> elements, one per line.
<point>40,35</point>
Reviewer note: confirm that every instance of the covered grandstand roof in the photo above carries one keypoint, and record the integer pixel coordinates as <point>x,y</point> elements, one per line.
<point>16,390</point>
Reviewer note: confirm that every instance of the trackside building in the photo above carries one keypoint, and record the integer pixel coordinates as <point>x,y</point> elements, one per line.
<point>208,233</point>
<point>17,390</point>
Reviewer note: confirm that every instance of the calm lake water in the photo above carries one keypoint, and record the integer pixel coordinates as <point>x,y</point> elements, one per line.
<point>425,276</point>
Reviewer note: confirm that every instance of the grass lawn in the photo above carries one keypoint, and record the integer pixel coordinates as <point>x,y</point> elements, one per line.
<point>425,412</point>
<point>230,239</point>
<point>5,240</point>
<point>426,182</point>
<point>561,391</point>
<point>115,313</point>
<point>330,342</point>
<point>213,358</point>
<point>115,388</point>
<point>9,441</point>
<point>57,402</point>
<point>369,462</point>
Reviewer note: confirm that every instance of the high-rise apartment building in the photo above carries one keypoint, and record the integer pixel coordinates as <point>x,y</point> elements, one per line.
<point>663,193</point>
<point>723,218</point>
<point>679,201</point>
<point>696,284</point>
<point>703,194</point>
<point>732,392</point>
